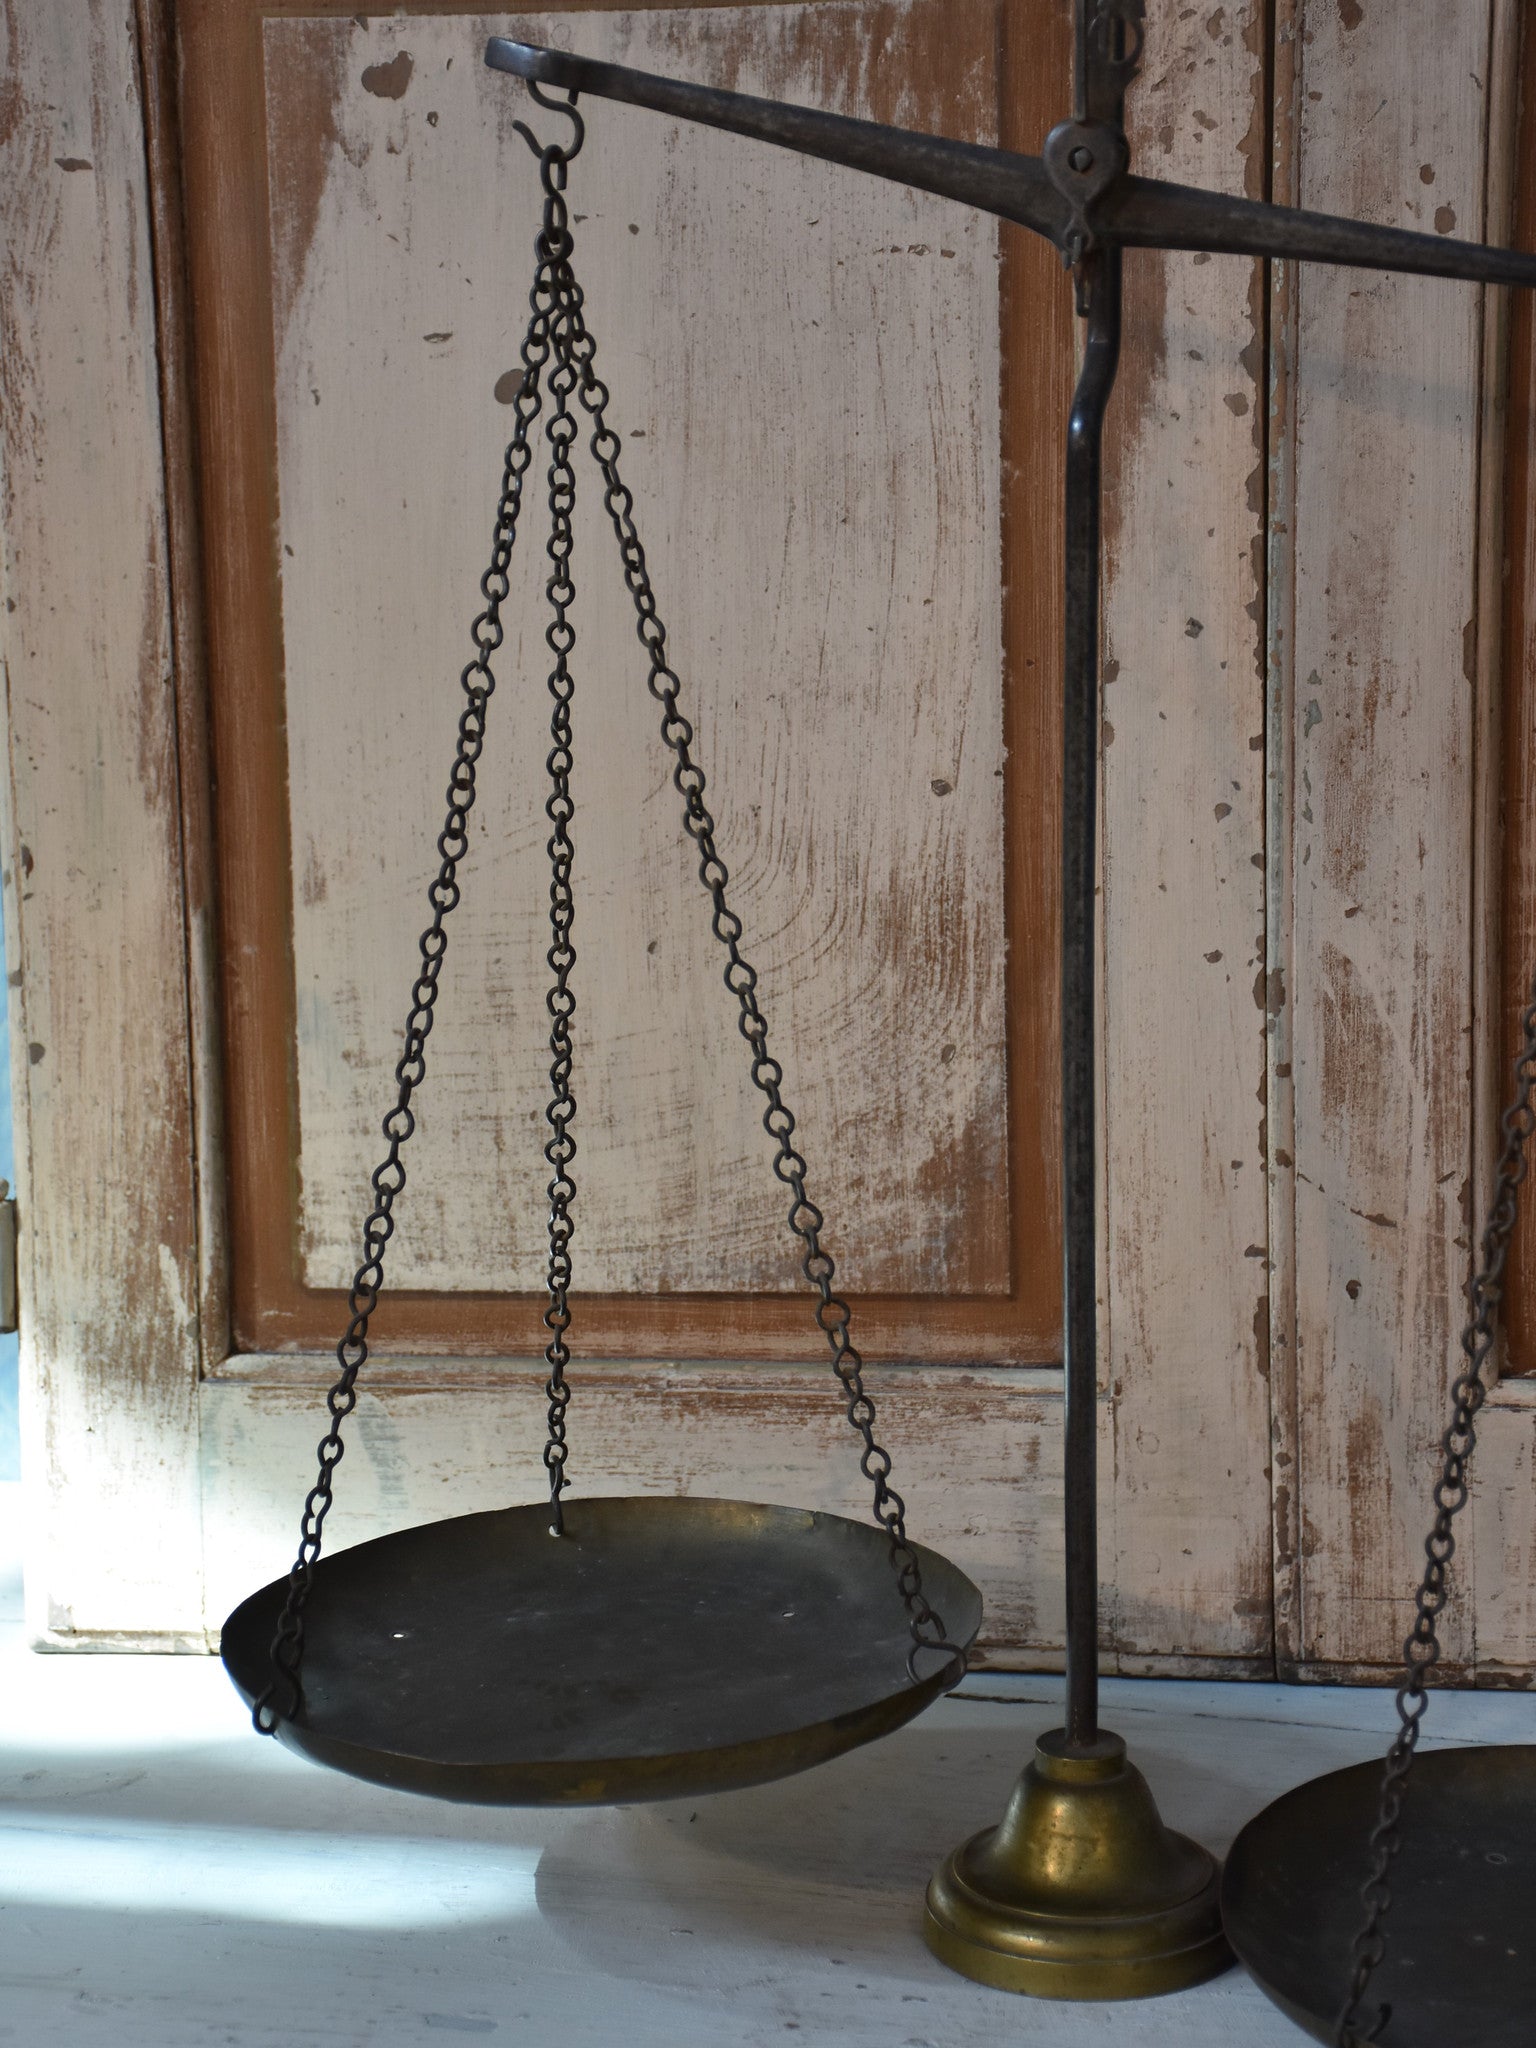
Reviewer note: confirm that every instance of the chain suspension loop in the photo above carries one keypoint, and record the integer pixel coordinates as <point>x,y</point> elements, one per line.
<point>805,1219</point>
<point>1421,1651</point>
<point>388,1180</point>
<point>560,430</point>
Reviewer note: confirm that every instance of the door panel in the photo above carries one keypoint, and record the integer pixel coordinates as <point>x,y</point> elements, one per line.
<point>811,374</point>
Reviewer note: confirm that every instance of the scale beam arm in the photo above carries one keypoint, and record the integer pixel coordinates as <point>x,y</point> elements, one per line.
<point>995,180</point>
<point>1137,213</point>
<point>1146,213</point>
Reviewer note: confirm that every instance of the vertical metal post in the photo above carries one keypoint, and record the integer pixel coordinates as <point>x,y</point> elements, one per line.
<point>1099,282</point>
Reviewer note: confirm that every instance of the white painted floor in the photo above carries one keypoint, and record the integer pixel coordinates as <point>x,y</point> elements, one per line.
<point>167,1880</point>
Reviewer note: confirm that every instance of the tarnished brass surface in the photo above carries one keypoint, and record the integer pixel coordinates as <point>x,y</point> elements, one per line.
<point>1460,1966</point>
<point>658,1648</point>
<point>1080,1892</point>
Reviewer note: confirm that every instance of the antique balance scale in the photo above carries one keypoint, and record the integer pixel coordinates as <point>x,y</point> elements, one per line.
<point>662,1647</point>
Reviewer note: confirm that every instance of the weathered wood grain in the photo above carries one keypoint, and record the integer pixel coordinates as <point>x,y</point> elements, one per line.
<point>1502,1539</point>
<point>1186,999</point>
<point>173,347</point>
<point>974,1454</point>
<point>1194,1587</point>
<point>1201,1588</point>
<point>1364,990</point>
<point>94,908</point>
<point>1503,1532</point>
<point>1383,407</point>
<point>978,1457</point>
<point>838,627</point>
<point>1279,826</point>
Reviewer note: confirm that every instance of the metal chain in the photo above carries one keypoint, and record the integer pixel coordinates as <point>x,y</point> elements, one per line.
<point>560,1150</point>
<point>805,1219</point>
<point>388,1180</point>
<point>557,328</point>
<point>1421,1652</point>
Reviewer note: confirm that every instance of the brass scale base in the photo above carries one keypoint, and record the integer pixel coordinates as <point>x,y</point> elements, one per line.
<point>1080,1891</point>
<point>671,1647</point>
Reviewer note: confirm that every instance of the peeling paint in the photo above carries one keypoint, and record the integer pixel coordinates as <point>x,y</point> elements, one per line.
<point>390,80</point>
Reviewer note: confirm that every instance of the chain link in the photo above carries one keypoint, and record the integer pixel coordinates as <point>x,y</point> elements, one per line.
<point>1421,1651</point>
<point>1117,33</point>
<point>388,1181</point>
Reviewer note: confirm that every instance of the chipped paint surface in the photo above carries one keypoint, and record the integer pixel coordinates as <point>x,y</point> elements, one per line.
<point>1384,409</point>
<point>1187,1566</point>
<point>95,935</point>
<point>757,1433</point>
<point>837,628</point>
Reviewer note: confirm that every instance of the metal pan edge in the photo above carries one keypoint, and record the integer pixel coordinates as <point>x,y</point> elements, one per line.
<point>597,1780</point>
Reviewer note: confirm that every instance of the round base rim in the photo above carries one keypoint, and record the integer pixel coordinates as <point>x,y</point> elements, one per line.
<point>1183,1946</point>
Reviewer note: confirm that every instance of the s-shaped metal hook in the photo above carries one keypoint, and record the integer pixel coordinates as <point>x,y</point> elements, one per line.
<point>553,158</point>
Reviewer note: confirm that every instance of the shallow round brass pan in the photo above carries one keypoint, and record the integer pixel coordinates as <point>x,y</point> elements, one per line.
<point>1460,1965</point>
<point>659,1648</point>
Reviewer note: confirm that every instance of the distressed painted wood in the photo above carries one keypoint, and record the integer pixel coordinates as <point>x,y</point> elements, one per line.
<point>878,889</point>
<point>1197,1592</point>
<point>837,626</point>
<point>94,912</point>
<point>173,343</point>
<point>1367,1007</point>
<point>1184,971</point>
<point>1503,1538</point>
<point>1279,817</point>
<point>1186,1560</point>
<point>977,1456</point>
<point>1504,1472</point>
<point>1377,502</point>
<point>1516,776</point>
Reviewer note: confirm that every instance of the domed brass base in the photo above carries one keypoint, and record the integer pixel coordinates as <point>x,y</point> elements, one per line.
<point>1081,1892</point>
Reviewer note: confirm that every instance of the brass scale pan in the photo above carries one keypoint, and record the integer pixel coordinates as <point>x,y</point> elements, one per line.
<point>659,1648</point>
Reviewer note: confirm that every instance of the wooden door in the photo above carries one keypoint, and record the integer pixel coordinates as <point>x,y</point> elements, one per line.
<point>841,406</point>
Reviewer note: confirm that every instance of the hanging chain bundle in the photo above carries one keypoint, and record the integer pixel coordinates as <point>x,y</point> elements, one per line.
<point>554,248</point>
<point>1421,1652</point>
<point>557,330</point>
